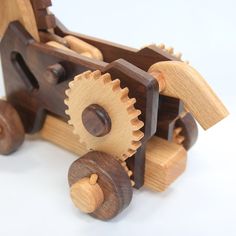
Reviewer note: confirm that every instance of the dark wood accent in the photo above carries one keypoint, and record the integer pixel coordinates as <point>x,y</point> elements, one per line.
<point>96,120</point>
<point>44,19</point>
<point>190,130</point>
<point>11,129</point>
<point>112,178</point>
<point>169,109</point>
<point>142,58</point>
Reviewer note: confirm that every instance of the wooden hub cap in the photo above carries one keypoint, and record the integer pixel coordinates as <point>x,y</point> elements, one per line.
<point>96,120</point>
<point>87,195</point>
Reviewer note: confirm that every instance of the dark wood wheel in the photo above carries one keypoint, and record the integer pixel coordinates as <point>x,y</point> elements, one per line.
<point>99,185</point>
<point>11,129</point>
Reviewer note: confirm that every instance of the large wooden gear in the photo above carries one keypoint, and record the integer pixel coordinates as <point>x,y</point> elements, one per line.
<point>124,136</point>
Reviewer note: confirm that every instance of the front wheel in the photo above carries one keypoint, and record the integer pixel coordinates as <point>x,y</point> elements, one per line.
<point>99,185</point>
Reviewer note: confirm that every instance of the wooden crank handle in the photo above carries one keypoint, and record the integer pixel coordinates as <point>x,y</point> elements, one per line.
<point>179,80</point>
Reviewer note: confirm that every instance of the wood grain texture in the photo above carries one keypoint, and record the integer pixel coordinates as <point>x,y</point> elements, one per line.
<point>86,196</point>
<point>18,10</point>
<point>11,129</point>
<point>112,179</point>
<point>185,83</point>
<point>165,161</point>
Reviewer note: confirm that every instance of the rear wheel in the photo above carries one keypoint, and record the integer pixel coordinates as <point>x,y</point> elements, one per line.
<point>11,129</point>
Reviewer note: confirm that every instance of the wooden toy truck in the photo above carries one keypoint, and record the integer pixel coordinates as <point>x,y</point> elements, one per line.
<point>128,113</point>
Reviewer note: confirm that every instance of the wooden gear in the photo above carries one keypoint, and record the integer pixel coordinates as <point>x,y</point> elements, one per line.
<point>89,88</point>
<point>133,108</point>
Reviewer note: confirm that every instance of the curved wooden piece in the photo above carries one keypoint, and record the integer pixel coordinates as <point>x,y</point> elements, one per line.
<point>18,10</point>
<point>185,83</point>
<point>112,179</point>
<point>11,129</point>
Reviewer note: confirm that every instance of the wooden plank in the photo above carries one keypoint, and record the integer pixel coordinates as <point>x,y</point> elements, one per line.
<point>165,161</point>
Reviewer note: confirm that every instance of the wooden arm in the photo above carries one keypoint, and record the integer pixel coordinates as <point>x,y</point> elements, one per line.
<point>181,81</point>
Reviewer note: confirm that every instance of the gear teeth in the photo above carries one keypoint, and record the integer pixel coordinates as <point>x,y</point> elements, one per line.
<point>178,55</point>
<point>134,113</point>
<point>136,144</point>
<point>124,157</point>
<point>115,84</point>
<point>106,78</point>
<point>180,139</point>
<point>71,84</point>
<point>124,94</point>
<point>138,135</point>
<point>161,45</point>
<point>130,103</point>
<point>178,130</point>
<point>170,50</point>
<point>95,74</point>
<point>137,124</point>
<point>130,173</point>
<point>67,92</point>
<point>67,112</point>
<point>131,152</point>
<point>86,74</point>
<point>66,101</point>
<point>70,122</point>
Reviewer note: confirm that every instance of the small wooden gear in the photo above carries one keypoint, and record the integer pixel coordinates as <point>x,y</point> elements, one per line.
<point>103,116</point>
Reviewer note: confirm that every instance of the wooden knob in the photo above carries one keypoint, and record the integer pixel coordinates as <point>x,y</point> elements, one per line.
<point>86,194</point>
<point>96,120</point>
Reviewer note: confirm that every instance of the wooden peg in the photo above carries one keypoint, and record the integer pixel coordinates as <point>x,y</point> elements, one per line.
<point>86,196</point>
<point>93,179</point>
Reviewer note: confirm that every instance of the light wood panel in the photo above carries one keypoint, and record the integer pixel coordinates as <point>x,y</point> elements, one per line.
<point>165,161</point>
<point>21,10</point>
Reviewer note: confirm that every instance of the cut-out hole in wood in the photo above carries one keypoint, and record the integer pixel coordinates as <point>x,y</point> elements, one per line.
<point>24,71</point>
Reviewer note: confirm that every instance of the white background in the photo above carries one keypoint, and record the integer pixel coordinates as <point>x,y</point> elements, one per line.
<point>34,196</point>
